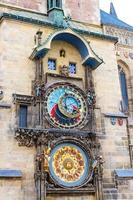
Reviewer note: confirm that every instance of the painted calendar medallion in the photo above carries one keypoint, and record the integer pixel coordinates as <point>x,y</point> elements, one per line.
<point>65,106</point>
<point>69,165</point>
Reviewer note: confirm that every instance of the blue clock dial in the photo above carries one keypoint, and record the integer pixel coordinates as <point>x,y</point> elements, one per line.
<point>65,106</point>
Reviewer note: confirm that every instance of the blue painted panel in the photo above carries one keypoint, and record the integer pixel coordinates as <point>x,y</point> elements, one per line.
<point>41,53</point>
<point>124,173</point>
<point>5,173</point>
<point>92,63</point>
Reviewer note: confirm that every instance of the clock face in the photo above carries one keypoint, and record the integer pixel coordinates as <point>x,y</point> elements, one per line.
<point>69,165</point>
<point>65,106</point>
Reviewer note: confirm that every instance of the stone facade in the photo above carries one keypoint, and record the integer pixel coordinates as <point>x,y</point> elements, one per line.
<point>24,65</point>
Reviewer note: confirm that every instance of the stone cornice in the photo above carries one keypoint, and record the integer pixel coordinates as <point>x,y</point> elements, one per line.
<point>50,23</point>
<point>117,115</point>
<point>22,99</point>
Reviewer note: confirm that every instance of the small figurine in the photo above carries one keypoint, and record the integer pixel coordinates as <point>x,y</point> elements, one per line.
<point>64,70</point>
<point>38,91</point>
<point>62,53</point>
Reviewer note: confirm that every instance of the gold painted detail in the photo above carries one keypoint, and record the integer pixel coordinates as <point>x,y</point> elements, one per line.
<point>74,112</point>
<point>68,164</point>
<point>46,158</point>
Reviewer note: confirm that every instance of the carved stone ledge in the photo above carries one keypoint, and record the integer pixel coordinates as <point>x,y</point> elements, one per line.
<point>30,137</point>
<point>22,99</point>
<point>5,105</point>
<point>85,190</point>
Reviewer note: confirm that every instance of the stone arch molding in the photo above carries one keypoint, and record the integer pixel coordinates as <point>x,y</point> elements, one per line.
<point>89,57</point>
<point>129,84</point>
<point>125,67</point>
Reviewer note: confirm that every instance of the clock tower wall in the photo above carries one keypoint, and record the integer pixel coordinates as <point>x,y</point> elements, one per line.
<point>35,5</point>
<point>72,56</point>
<point>86,11</point>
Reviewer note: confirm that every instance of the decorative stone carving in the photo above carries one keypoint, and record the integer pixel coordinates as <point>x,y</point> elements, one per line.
<point>30,137</point>
<point>125,36</point>
<point>64,70</point>
<point>91,97</point>
<point>20,99</point>
<point>1,94</point>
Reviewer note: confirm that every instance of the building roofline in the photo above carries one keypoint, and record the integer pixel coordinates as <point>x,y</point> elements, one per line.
<point>113,21</point>
<point>32,20</point>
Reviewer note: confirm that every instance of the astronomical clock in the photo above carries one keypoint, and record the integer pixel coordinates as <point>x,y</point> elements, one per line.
<point>62,106</point>
<point>66,106</point>
<point>69,161</point>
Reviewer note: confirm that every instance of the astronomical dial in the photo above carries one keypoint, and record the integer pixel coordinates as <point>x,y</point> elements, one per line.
<point>65,106</point>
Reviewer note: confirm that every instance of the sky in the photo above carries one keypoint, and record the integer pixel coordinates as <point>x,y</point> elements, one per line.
<point>124,9</point>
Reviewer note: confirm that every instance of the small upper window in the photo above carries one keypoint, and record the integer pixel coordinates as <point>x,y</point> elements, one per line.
<point>51,5</point>
<point>51,64</point>
<point>54,3</point>
<point>58,3</point>
<point>72,68</point>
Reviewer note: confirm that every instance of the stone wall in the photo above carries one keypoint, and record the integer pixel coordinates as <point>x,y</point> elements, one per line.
<point>36,5</point>
<point>81,10</point>
<point>11,189</point>
<point>84,11</point>
<point>122,192</point>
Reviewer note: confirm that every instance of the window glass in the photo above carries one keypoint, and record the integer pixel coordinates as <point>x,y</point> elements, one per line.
<point>72,68</point>
<point>23,116</point>
<point>51,64</point>
<point>58,3</point>
<point>51,4</point>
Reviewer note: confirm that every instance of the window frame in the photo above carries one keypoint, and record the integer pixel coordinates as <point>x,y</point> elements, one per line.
<point>23,123</point>
<point>75,67</point>
<point>55,64</point>
<point>124,89</point>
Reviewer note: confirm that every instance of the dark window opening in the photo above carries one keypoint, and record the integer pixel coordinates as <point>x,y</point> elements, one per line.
<point>58,4</point>
<point>124,92</point>
<point>54,3</point>
<point>51,4</point>
<point>23,116</point>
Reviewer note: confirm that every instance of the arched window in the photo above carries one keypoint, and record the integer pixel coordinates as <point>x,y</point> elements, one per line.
<point>123,85</point>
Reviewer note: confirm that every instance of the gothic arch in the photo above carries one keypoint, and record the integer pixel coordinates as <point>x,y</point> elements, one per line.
<point>125,66</point>
<point>126,86</point>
